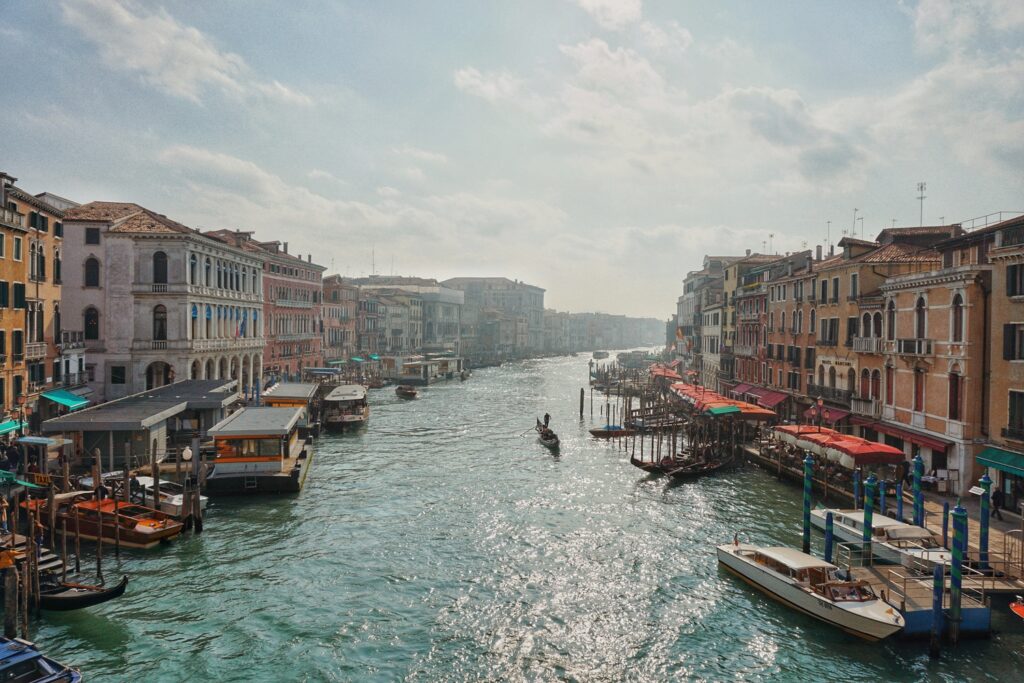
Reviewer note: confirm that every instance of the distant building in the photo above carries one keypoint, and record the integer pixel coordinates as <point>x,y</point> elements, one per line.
<point>440,309</point>
<point>489,298</point>
<point>340,310</point>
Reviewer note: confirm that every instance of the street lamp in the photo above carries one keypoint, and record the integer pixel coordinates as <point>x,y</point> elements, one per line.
<point>820,402</point>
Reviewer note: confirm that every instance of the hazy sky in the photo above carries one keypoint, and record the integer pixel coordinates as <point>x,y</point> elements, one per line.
<point>597,148</point>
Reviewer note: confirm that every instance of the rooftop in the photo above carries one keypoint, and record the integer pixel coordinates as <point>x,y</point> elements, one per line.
<point>301,390</point>
<point>257,422</point>
<point>101,211</point>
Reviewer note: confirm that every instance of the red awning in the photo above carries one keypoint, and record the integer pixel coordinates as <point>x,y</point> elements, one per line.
<point>740,389</point>
<point>767,398</point>
<point>932,442</point>
<point>829,415</point>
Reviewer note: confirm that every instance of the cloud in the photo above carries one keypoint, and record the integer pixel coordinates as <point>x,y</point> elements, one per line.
<point>420,155</point>
<point>948,26</point>
<point>320,174</point>
<point>492,87</point>
<point>674,39</point>
<point>613,14</point>
<point>168,55</point>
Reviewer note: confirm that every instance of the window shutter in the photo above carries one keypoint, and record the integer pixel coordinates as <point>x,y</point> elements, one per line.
<point>1009,339</point>
<point>58,229</point>
<point>1011,280</point>
<point>19,295</point>
<point>44,223</point>
<point>33,219</point>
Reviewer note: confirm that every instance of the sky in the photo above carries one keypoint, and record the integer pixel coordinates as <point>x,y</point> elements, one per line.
<point>596,148</point>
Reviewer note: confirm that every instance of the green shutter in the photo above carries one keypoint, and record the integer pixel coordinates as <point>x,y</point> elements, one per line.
<point>1011,280</point>
<point>1009,341</point>
<point>19,295</point>
<point>5,294</point>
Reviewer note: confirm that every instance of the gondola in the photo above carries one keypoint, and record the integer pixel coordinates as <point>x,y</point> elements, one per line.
<point>62,597</point>
<point>611,431</point>
<point>552,443</point>
<point>405,391</point>
<point>654,466</point>
<point>693,470</point>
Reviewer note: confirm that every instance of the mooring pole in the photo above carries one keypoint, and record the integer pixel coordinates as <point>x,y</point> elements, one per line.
<point>938,586</point>
<point>899,501</point>
<point>945,524</point>
<point>856,489</point>
<point>869,505</point>
<point>829,536</point>
<point>808,481</point>
<point>956,572</point>
<point>918,496</point>
<point>582,395</point>
<point>986,484</point>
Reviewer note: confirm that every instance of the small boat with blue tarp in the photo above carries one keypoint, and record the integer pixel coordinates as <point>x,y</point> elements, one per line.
<point>21,661</point>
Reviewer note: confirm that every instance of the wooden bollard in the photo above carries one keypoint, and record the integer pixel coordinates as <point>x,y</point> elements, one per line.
<point>64,549</point>
<point>11,595</point>
<point>582,398</point>
<point>78,544</point>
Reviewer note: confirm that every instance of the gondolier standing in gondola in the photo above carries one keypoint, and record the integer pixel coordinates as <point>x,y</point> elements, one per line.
<point>547,419</point>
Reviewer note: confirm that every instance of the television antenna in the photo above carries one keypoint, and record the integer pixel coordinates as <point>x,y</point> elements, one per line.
<point>921,187</point>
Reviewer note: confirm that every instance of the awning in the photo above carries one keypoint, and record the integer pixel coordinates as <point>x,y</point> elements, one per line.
<point>340,361</point>
<point>66,399</point>
<point>723,410</point>
<point>740,389</point>
<point>1004,461</point>
<point>357,359</point>
<point>10,426</point>
<point>932,442</point>
<point>374,356</point>
<point>829,414</point>
<point>767,398</point>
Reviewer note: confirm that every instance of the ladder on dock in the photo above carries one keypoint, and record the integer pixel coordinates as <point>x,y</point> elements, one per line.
<point>48,560</point>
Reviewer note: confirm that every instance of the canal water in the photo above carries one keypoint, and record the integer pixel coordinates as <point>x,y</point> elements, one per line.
<point>445,544</point>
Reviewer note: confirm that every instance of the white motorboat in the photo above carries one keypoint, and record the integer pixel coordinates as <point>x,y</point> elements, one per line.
<point>814,587</point>
<point>171,496</point>
<point>892,541</point>
<point>345,407</point>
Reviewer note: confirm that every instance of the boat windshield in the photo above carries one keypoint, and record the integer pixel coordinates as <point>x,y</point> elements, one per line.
<point>855,591</point>
<point>136,511</point>
<point>169,488</point>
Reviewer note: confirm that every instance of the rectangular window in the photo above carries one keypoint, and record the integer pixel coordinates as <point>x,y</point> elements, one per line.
<point>90,372</point>
<point>118,374</point>
<point>835,289</point>
<point>3,246</point>
<point>824,291</point>
<point>854,285</point>
<point>18,344</point>
<point>1015,280</point>
<point>58,229</point>
<point>954,397</point>
<point>92,235</point>
<point>851,329</point>
<point>17,248</point>
<point>3,342</point>
<point>19,295</point>
<point>1013,341</point>
<point>1016,421</point>
<point>5,294</point>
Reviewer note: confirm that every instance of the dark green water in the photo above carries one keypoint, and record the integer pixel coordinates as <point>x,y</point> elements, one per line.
<point>442,545</point>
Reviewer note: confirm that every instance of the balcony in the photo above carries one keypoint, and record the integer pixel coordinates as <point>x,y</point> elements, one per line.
<point>1015,433</point>
<point>159,345</point>
<point>35,350</point>
<point>833,300</point>
<point>71,339</point>
<point>914,347</point>
<point>72,379</point>
<point>11,218</point>
<point>292,303</point>
<point>799,298</point>
<point>869,407</point>
<point>160,288</point>
<point>744,350</point>
<point>833,394</point>
<point>867,344</point>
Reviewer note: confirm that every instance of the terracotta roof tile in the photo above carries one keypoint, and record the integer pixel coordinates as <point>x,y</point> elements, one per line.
<point>145,221</point>
<point>901,253</point>
<point>101,211</point>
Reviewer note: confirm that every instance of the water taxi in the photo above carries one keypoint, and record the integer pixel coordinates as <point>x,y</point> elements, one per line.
<point>814,587</point>
<point>345,407</point>
<point>21,660</point>
<point>140,526</point>
<point>172,496</point>
<point>892,541</point>
<point>405,391</point>
<point>258,450</point>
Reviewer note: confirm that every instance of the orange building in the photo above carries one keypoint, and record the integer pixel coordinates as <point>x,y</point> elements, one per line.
<point>14,235</point>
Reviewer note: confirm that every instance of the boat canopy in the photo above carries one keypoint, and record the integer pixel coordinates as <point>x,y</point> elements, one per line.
<point>66,399</point>
<point>347,392</point>
<point>794,559</point>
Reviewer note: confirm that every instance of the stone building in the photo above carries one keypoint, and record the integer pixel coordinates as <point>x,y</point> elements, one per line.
<point>155,300</point>
<point>340,308</point>
<point>485,296</point>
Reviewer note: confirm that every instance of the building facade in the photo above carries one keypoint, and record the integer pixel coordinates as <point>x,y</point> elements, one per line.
<point>340,310</point>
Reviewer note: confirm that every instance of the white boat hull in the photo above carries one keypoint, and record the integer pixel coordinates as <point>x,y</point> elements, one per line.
<point>882,551</point>
<point>810,603</point>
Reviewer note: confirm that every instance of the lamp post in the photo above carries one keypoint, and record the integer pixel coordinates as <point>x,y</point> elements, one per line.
<point>820,402</point>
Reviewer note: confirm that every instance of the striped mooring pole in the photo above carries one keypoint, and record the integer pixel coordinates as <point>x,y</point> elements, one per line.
<point>856,489</point>
<point>899,501</point>
<point>869,505</point>
<point>881,498</point>
<point>829,536</point>
<point>986,484</point>
<point>938,586</point>
<point>957,570</point>
<point>918,496</point>
<point>945,524</point>
<point>808,481</point>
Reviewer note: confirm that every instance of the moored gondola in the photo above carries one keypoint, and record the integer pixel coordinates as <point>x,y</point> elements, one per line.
<point>64,596</point>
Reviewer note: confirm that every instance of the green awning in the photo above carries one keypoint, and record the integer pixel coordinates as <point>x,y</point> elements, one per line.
<point>10,478</point>
<point>66,399</point>
<point>10,426</point>
<point>723,410</point>
<point>1004,461</point>
<point>374,356</point>
<point>339,361</point>
<point>357,359</point>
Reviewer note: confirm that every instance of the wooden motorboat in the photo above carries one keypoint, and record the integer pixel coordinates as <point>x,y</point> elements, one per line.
<point>892,541</point>
<point>814,587</point>
<point>375,383</point>
<point>140,526</point>
<point>406,391</point>
<point>21,661</point>
<point>171,496</point>
<point>611,431</point>
<point>68,596</point>
<point>691,469</point>
<point>1017,607</point>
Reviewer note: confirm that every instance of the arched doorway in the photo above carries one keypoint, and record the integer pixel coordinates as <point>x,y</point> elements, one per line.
<point>158,374</point>
<point>195,369</point>
<point>210,369</point>
<point>223,370</point>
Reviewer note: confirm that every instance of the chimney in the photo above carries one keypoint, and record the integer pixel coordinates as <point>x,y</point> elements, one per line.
<point>309,258</point>
<point>748,252</point>
<point>285,247</point>
<point>817,253</point>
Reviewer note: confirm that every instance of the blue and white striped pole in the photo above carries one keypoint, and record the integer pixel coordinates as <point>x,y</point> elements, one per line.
<point>869,505</point>
<point>957,570</point>
<point>899,501</point>
<point>881,498</point>
<point>808,481</point>
<point>856,489</point>
<point>986,484</point>
<point>938,586</point>
<point>829,536</point>
<point>918,496</point>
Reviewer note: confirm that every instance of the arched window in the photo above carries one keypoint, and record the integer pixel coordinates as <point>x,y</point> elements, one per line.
<point>255,282</point>
<point>160,268</point>
<point>194,324</point>
<point>832,377</point>
<point>782,326</point>
<point>814,319</point>
<point>208,268</point>
<point>920,318</point>
<point>220,276</point>
<point>865,325</point>
<point>876,384</point>
<point>245,279</point>
<point>890,322</point>
<point>92,323</point>
<point>890,384</point>
<point>958,319</point>
<point>92,272</point>
<point>877,329</point>
<point>160,323</point>
<point>56,267</point>
<point>821,375</point>
<point>209,322</point>
<point>33,257</point>
<point>193,269</point>
<point>56,321</point>
<point>865,383</point>
<point>851,381</point>
<point>954,393</point>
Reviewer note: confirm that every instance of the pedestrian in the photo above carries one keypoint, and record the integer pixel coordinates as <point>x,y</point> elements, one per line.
<point>997,502</point>
<point>547,419</point>
<point>14,457</point>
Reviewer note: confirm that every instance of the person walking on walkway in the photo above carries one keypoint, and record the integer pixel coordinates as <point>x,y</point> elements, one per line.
<point>997,502</point>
